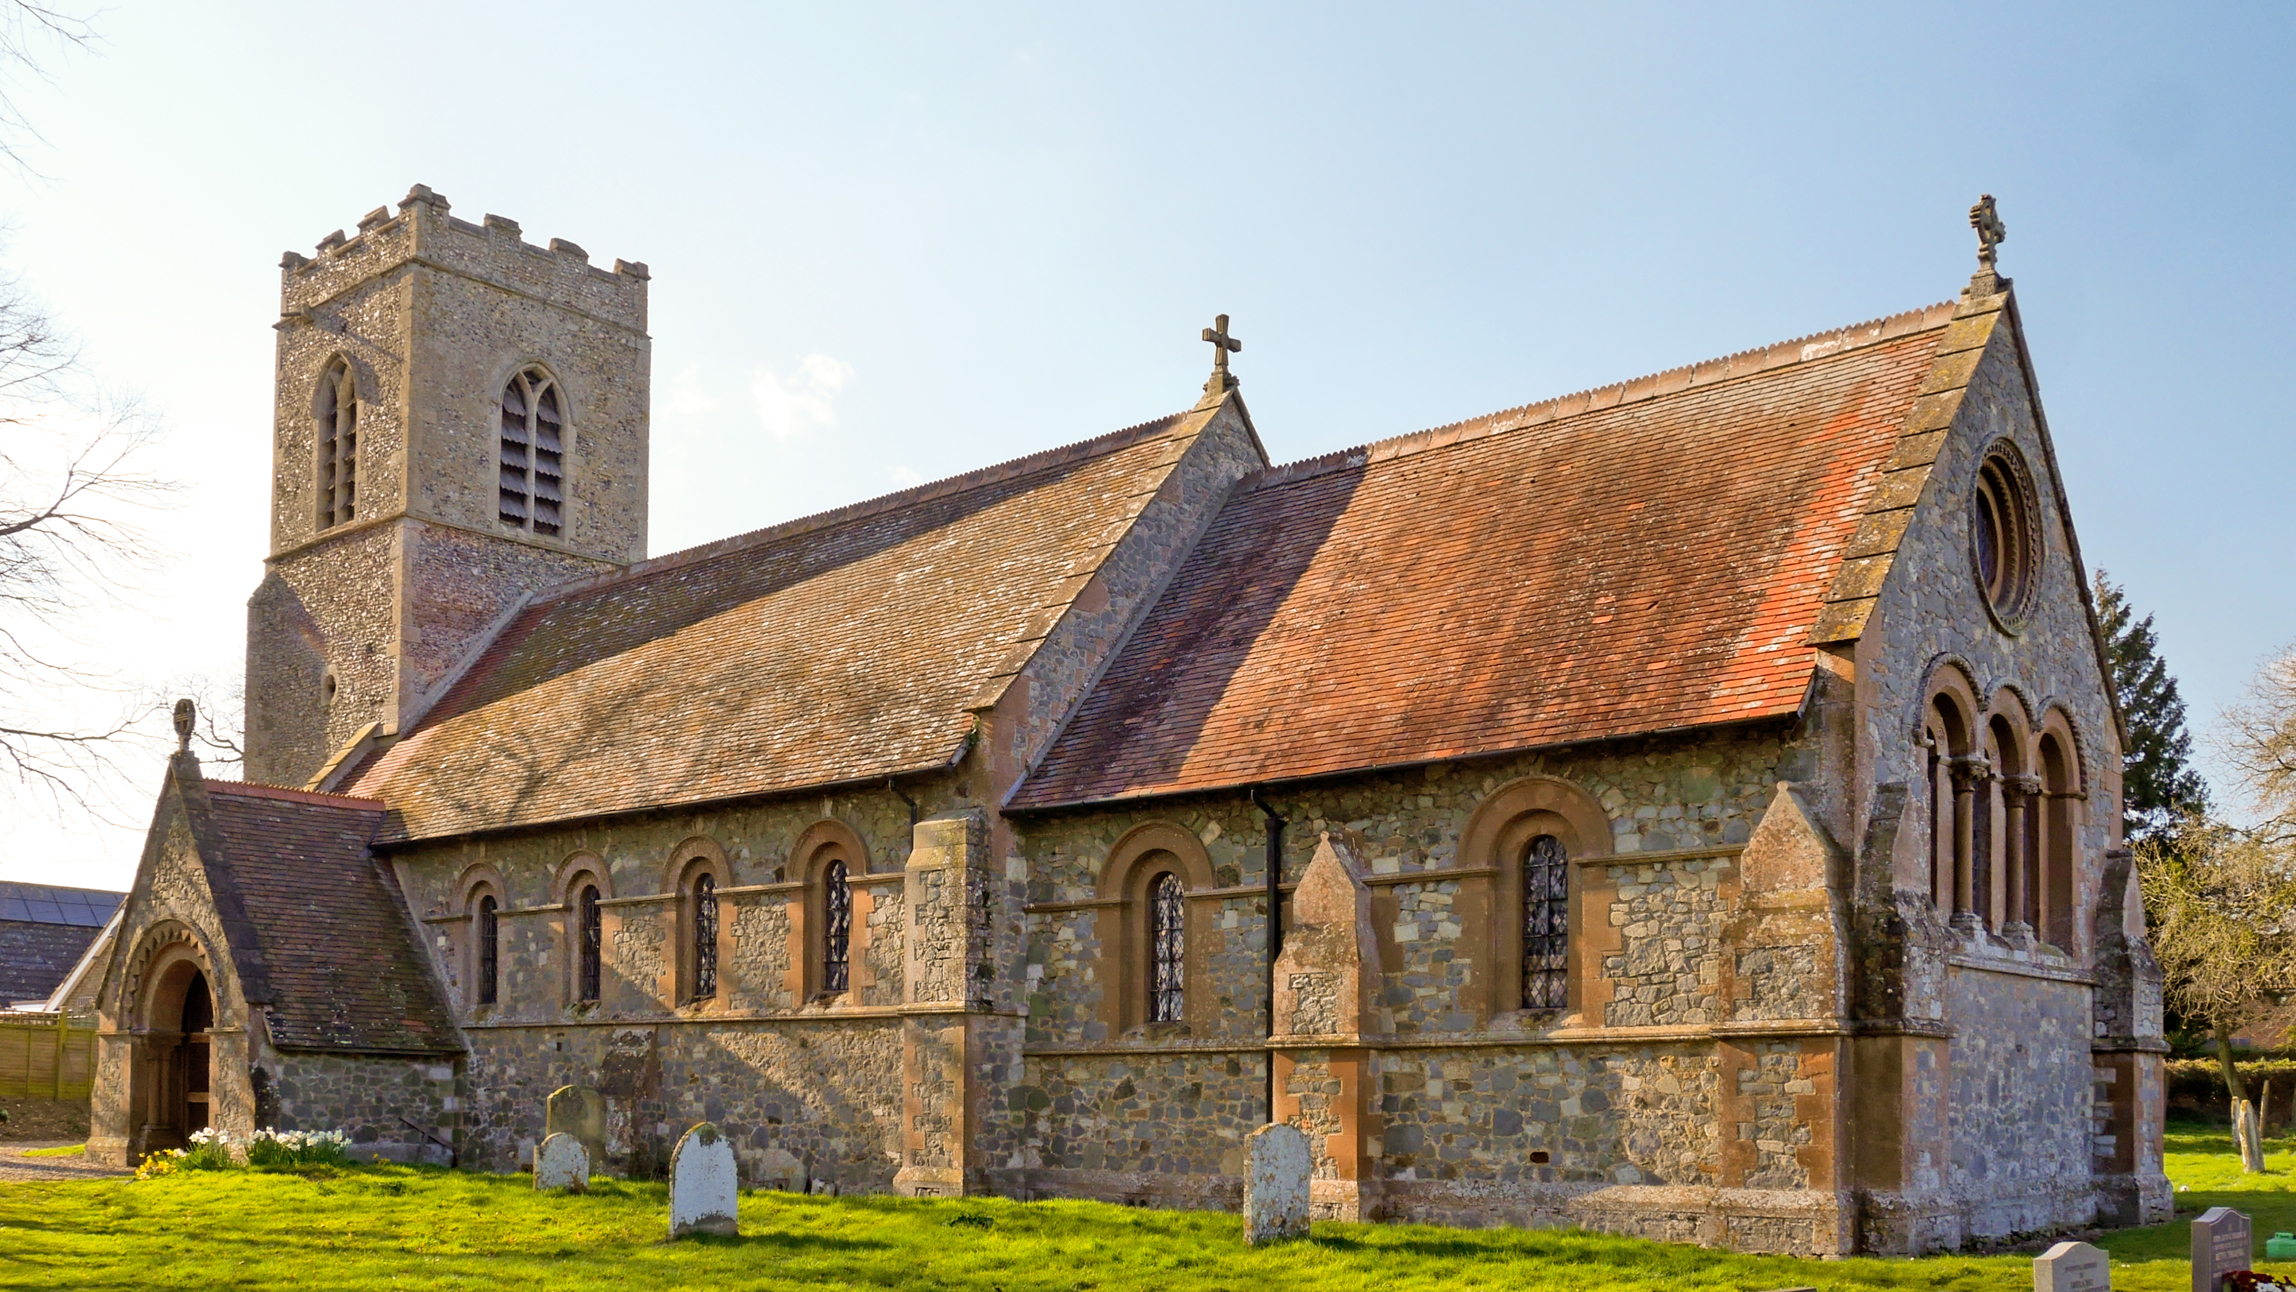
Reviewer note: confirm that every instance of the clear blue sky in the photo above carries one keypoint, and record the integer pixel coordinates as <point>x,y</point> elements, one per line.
<point>891,243</point>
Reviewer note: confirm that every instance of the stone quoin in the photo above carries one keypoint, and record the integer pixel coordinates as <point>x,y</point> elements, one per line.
<point>1694,803</point>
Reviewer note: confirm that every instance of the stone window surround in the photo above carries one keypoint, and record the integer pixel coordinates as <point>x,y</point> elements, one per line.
<point>511,366</point>
<point>689,861</point>
<point>479,880</point>
<point>2031,775</point>
<point>2004,476</point>
<point>1126,943</point>
<point>573,873</point>
<point>340,376</point>
<point>1497,836</point>
<point>808,906</point>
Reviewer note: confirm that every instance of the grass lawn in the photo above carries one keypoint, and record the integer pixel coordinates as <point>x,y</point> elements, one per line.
<point>421,1228</point>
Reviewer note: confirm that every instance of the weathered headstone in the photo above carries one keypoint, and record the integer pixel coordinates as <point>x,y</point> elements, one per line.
<point>580,1112</point>
<point>2221,1243</point>
<point>562,1163</point>
<point>778,1168</point>
<point>2073,1267</point>
<point>1275,1192</point>
<point>705,1184</point>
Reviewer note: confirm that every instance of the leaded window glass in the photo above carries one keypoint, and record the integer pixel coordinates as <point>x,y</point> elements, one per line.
<point>1546,924</point>
<point>533,486</point>
<point>705,937</point>
<point>590,925</point>
<point>837,944</point>
<point>489,948</point>
<point>1168,945</point>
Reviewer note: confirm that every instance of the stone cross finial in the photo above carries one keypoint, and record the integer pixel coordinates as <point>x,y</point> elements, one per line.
<point>1991,233</point>
<point>186,718</point>
<point>1222,346</point>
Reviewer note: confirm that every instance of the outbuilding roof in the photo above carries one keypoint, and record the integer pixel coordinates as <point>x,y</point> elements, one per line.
<point>1638,559</point>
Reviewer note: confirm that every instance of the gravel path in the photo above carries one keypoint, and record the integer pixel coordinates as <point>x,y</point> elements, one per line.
<point>14,1166</point>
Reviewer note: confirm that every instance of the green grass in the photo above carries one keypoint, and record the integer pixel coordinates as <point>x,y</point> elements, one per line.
<point>67,1150</point>
<point>423,1228</point>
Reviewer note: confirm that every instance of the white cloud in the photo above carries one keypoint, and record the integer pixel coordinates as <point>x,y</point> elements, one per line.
<point>686,396</point>
<point>804,399</point>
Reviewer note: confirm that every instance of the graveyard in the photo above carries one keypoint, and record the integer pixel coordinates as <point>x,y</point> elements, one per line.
<point>372,1226</point>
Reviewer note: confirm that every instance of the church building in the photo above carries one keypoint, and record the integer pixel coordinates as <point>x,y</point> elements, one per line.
<point>1688,808</point>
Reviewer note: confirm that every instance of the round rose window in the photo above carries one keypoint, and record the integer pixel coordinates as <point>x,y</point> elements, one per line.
<point>2005,541</point>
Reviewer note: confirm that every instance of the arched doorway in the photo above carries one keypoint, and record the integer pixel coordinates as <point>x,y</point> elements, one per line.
<point>176,1066</point>
<point>192,1052</point>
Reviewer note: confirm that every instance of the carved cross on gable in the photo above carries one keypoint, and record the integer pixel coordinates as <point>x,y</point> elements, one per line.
<point>1991,233</point>
<point>1222,346</point>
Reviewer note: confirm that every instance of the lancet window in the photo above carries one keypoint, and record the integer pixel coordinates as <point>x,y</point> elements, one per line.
<point>337,412</point>
<point>489,950</point>
<point>705,936</point>
<point>1167,950</point>
<point>590,925</point>
<point>837,939</point>
<point>533,487</point>
<point>1546,924</point>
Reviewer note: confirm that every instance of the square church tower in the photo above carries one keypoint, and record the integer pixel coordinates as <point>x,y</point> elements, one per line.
<point>460,419</point>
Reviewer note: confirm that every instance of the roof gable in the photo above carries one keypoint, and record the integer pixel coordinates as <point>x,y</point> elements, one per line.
<point>1638,559</point>
<point>844,647</point>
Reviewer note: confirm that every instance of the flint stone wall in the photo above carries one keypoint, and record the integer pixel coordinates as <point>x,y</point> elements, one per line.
<point>364,1097</point>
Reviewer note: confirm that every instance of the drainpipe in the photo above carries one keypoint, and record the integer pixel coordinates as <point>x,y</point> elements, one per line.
<point>1275,942</point>
<point>896,791</point>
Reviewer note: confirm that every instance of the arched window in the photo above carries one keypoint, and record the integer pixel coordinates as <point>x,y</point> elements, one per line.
<point>489,949</point>
<point>837,933</point>
<point>533,454</point>
<point>337,411</point>
<point>588,925</point>
<point>1167,950</point>
<point>1546,924</point>
<point>705,936</point>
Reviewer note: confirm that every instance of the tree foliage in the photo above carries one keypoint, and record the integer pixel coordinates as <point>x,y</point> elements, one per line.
<point>2221,905</point>
<point>2159,786</point>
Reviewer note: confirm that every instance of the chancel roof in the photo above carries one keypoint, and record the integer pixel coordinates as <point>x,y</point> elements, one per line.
<point>1642,558</point>
<point>844,647</point>
<point>318,930</point>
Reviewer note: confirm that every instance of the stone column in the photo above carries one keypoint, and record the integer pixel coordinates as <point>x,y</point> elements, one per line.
<point>2017,796</point>
<point>1966,772</point>
<point>945,1001</point>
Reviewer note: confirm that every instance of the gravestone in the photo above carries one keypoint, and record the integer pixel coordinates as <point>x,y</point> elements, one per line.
<point>580,1112</point>
<point>562,1163</point>
<point>778,1168</point>
<point>2073,1267</point>
<point>1275,1193</point>
<point>2221,1243</point>
<point>705,1184</point>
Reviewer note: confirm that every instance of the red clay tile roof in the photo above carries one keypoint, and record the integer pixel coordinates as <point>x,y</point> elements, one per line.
<point>1637,559</point>
<point>842,647</point>
<point>321,922</point>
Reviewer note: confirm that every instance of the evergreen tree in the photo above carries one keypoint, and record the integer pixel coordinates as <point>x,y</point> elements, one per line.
<point>2158,784</point>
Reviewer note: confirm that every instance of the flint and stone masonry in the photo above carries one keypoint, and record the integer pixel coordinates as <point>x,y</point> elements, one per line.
<point>1782,1030</point>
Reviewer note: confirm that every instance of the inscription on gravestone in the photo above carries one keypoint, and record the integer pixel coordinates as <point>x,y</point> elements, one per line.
<point>2221,1243</point>
<point>2072,1267</point>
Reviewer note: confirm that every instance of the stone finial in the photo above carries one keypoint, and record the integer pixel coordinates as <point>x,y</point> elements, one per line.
<point>186,721</point>
<point>421,193</point>
<point>1222,381</point>
<point>332,241</point>
<point>1991,233</point>
<point>374,219</point>
<point>562,245</point>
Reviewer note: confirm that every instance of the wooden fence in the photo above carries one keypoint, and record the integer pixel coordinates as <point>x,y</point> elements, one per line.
<point>46,1056</point>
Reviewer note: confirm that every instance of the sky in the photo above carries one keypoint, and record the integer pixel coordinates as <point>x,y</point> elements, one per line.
<point>891,243</point>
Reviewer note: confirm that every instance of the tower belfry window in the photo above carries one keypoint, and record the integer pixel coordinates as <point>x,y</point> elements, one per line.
<point>533,486</point>
<point>337,412</point>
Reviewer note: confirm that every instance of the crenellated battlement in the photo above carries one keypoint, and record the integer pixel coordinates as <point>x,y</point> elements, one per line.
<point>423,231</point>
